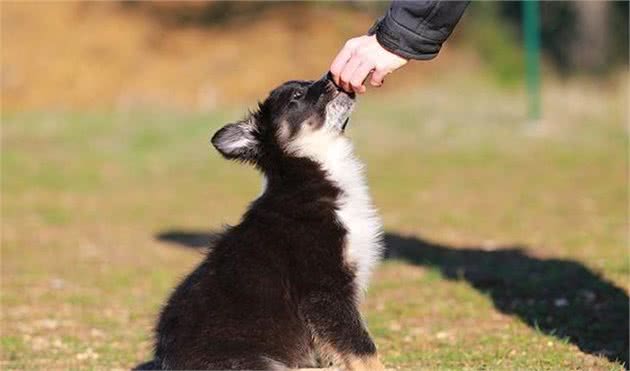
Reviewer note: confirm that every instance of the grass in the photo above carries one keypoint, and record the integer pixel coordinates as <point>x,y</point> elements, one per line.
<point>506,243</point>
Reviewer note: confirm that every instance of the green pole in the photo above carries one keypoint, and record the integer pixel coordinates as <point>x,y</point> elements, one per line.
<point>531,30</point>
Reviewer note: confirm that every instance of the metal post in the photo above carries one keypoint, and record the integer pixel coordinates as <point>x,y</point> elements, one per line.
<point>531,30</point>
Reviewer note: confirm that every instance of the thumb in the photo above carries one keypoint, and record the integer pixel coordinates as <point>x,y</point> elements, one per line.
<point>378,76</point>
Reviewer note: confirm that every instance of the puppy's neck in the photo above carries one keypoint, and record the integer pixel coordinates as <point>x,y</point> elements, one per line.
<point>319,161</point>
<point>335,156</point>
<point>298,176</point>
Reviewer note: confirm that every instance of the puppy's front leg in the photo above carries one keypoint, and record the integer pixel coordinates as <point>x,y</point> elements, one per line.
<point>339,331</point>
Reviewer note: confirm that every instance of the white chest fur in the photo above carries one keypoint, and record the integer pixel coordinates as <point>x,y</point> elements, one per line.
<point>363,244</point>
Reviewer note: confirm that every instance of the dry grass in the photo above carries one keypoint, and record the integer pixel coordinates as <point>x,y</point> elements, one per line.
<point>106,55</point>
<point>103,55</point>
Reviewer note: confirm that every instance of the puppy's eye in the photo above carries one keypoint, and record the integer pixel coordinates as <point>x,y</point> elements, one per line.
<point>297,95</point>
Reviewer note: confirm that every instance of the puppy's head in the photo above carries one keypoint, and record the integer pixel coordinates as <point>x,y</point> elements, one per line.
<point>298,118</point>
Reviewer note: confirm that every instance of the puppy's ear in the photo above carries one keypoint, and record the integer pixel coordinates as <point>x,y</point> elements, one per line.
<point>238,140</point>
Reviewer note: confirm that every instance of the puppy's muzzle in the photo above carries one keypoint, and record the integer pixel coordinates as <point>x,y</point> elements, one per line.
<point>331,82</point>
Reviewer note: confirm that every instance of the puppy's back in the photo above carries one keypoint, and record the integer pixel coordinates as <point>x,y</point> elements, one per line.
<point>237,310</point>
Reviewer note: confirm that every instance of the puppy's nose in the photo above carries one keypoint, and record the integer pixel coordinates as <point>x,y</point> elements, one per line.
<point>329,77</point>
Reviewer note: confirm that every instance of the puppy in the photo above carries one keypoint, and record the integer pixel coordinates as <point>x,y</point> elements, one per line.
<point>281,289</point>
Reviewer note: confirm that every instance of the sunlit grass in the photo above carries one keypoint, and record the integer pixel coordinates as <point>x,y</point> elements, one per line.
<point>85,194</point>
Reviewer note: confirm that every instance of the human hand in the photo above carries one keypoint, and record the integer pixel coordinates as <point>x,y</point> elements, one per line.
<point>360,56</point>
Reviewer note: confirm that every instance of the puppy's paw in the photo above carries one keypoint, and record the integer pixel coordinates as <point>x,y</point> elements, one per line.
<point>366,363</point>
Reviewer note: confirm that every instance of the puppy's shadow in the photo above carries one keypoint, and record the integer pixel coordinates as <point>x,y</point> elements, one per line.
<point>186,238</point>
<point>561,298</point>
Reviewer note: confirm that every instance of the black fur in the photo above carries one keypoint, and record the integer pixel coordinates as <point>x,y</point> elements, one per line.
<point>275,286</point>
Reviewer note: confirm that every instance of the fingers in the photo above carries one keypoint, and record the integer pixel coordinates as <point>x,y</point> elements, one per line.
<point>358,58</point>
<point>341,59</point>
<point>378,76</point>
<point>347,73</point>
<point>359,76</point>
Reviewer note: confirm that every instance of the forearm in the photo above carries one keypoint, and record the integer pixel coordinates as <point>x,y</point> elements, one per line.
<point>417,29</point>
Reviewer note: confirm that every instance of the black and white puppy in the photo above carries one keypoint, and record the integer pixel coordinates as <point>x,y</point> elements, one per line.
<point>281,289</point>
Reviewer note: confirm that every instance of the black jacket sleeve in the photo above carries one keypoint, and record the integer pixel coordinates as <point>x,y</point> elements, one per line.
<point>416,29</point>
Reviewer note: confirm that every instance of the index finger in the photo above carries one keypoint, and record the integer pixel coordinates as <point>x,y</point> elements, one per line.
<point>339,63</point>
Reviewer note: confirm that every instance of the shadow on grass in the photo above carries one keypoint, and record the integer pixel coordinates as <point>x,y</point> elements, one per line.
<point>562,298</point>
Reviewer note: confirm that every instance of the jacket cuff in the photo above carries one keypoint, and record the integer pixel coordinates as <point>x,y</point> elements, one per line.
<point>399,40</point>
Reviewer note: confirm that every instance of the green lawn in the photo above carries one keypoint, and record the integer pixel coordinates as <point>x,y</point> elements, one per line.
<point>507,242</point>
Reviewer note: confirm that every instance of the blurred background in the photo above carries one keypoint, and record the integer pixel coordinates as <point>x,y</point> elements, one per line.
<point>501,178</point>
<point>202,55</point>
